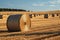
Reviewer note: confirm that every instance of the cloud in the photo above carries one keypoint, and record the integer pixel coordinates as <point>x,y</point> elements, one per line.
<point>38,4</point>
<point>54,2</point>
<point>52,5</point>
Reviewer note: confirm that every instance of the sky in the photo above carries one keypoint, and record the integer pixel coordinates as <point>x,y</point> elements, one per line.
<point>32,5</point>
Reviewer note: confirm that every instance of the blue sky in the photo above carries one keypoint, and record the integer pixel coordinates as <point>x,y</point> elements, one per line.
<point>33,5</point>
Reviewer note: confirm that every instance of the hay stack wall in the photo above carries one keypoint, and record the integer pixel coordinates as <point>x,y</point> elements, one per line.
<point>47,18</point>
<point>3,20</point>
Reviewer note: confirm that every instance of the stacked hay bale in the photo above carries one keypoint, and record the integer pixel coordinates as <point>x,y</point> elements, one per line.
<point>47,19</point>
<point>3,21</point>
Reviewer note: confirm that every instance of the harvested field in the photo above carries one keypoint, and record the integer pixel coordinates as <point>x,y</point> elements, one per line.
<point>51,33</point>
<point>41,28</point>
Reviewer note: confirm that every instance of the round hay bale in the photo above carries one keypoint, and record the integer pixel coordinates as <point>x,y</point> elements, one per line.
<point>25,22</point>
<point>18,22</point>
<point>30,15</point>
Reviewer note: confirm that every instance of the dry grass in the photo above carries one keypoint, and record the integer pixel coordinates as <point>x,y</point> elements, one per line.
<point>41,29</point>
<point>35,34</point>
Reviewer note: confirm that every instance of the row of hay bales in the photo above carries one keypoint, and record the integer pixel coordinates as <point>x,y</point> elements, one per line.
<point>40,21</point>
<point>18,22</point>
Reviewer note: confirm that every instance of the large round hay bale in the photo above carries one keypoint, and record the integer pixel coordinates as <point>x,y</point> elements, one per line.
<point>25,22</point>
<point>18,22</point>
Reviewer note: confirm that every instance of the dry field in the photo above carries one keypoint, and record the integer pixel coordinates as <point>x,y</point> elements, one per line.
<point>35,34</point>
<point>43,33</point>
<point>41,29</point>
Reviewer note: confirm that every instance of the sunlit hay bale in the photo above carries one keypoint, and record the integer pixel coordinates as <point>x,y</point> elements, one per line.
<point>18,22</point>
<point>25,22</point>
